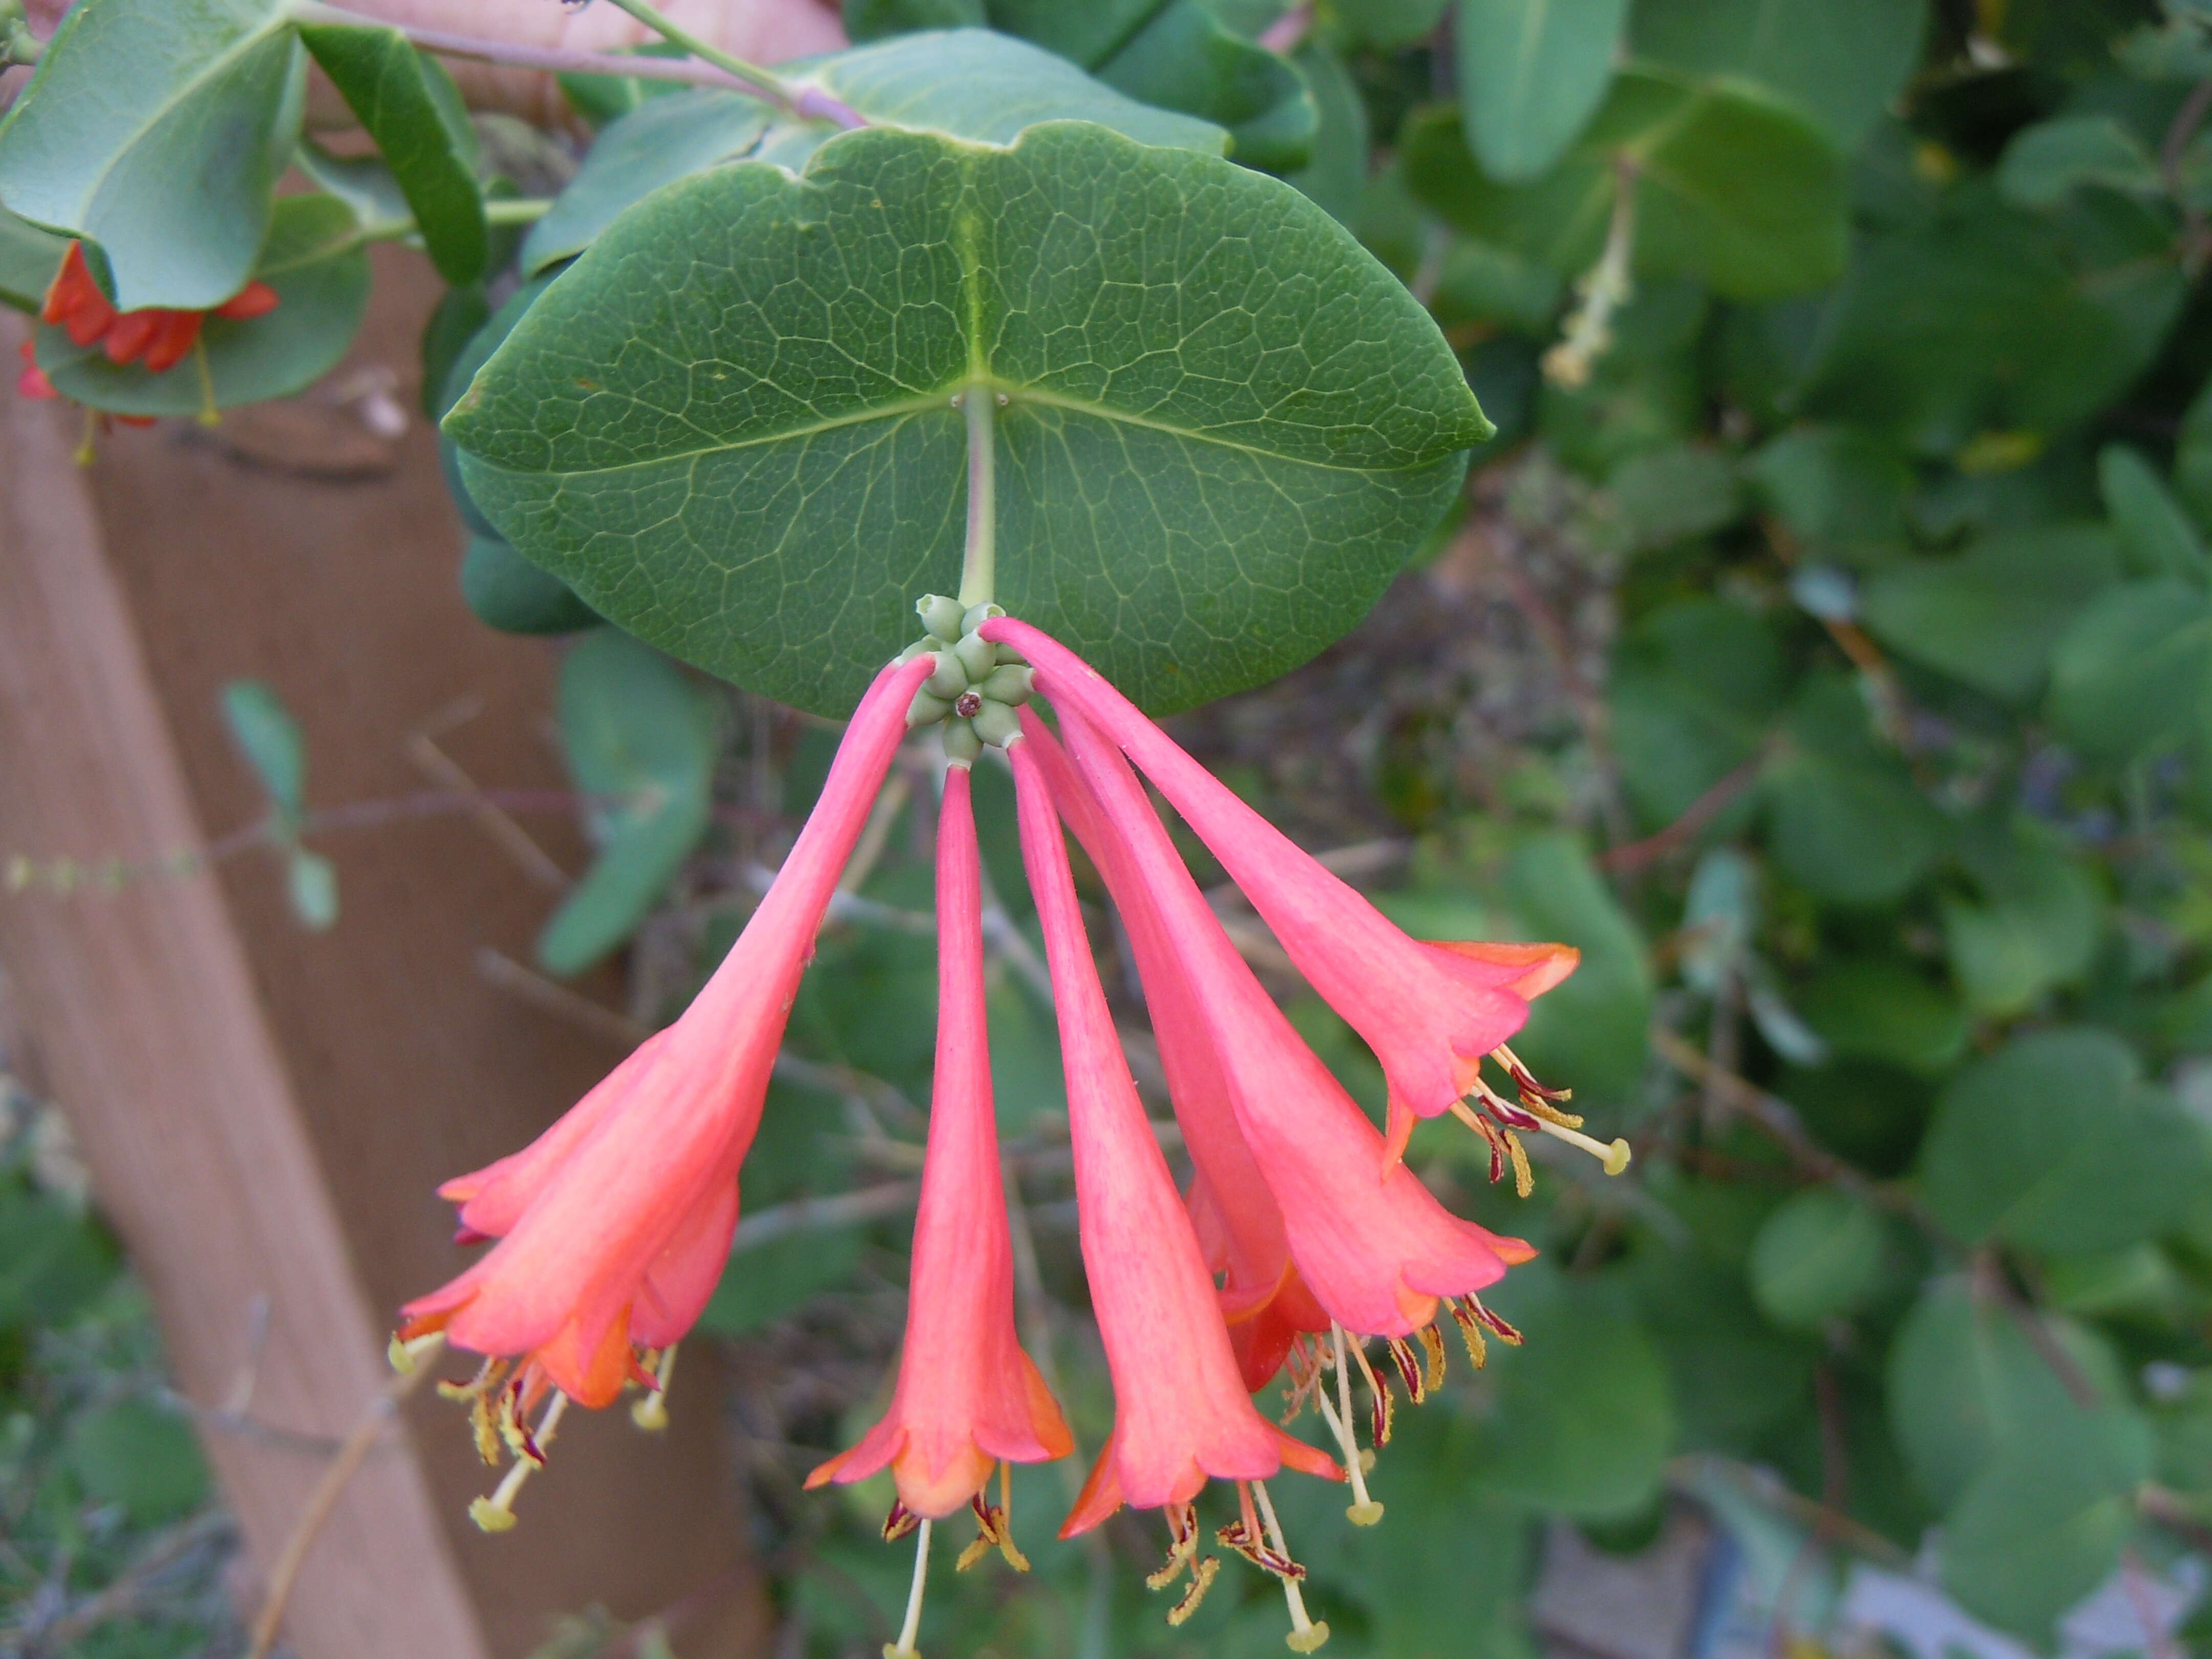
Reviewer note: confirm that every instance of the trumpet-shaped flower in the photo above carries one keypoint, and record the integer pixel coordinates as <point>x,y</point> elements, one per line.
<point>159,337</point>
<point>967,1396</point>
<point>1370,1243</point>
<point>1182,1413</point>
<point>1431,1012</point>
<point>613,1226</point>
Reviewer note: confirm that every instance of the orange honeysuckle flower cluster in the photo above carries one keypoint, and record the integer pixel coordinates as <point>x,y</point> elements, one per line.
<point>158,338</point>
<point>1301,1239</point>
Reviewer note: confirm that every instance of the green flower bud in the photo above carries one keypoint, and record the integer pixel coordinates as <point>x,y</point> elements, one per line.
<point>961,745</point>
<point>950,680</point>
<point>926,710</point>
<point>941,615</point>
<point>978,656</point>
<point>976,618</point>
<point>1009,685</point>
<point>997,724</point>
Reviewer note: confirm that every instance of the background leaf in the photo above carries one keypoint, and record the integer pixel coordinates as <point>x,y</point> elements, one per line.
<point>1531,73</point>
<point>1842,60</point>
<point>410,105</point>
<point>158,129</point>
<point>268,737</point>
<point>1820,1256</point>
<point>638,732</point>
<point>1193,494</point>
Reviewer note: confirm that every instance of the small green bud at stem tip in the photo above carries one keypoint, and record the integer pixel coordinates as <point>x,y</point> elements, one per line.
<point>961,745</point>
<point>940,615</point>
<point>997,724</point>
<point>1009,683</point>
<point>926,710</point>
<point>978,656</point>
<point>950,680</point>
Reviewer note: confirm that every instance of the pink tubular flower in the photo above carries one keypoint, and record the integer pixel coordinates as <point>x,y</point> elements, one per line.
<point>967,1396</point>
<point>1372,1244</point>
<point>1182,1415</point>
<point>1239,1227</point>
<point>614,1225</point>
<point>1430,1011</point>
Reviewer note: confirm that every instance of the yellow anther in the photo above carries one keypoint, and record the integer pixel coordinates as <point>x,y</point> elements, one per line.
<point>1369,1514</point>
<point>1613,1155</point>
<point>1311,1639</point>
<point>1202,1575</point>
<point>489,1517</point>
<point>1524,1179</point>
<point>496,1512</point>
<point>651,1413</point>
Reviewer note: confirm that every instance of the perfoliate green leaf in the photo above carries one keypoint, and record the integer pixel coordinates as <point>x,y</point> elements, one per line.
<point>268,737</point>
<point>1819,1257</point>
<point>410,105</point>
<point>2054,1145</point>
<point>1531,73</point>
<point>1991,615</point>
<point>2156,537</point>
<point>2042,1526</point>
<point>1733,189</point>
<point>1844,60</point>
<point>1965,1380</point>
<point>316,263</point>
<point>29,257</point>
<point>2047,162</point>
<point>641,736</point>
<point>1214,452</point>
<point>969,83</point>
<point>158,129</point>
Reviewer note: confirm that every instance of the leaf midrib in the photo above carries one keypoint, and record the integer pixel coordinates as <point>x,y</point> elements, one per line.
<point>942,400</point>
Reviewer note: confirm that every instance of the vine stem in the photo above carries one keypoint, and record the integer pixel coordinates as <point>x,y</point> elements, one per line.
<point>557,60</point>
<point>979,564</point>
<point>799,100</point>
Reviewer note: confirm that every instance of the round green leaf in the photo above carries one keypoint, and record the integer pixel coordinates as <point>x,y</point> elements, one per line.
<point>29,257</point>
<point>1964,1381</point>
<point>1880,1009</point>
<point>268,737</point>
<point>2135,669</point>
<point>730,426</point>
<point>2053,1145</point>
<point>158,129</point>
<point>1818,1257</point>
<point>1585,1418</point>
<point>315,261</point>
<point>1844,60</point>
<point>508,593</point>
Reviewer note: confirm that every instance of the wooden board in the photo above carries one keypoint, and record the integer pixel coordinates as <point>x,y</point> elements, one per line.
<point>268,1110</point>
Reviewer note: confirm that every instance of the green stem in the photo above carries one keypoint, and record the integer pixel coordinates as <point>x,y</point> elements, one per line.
<point>979,564</point>
<point>670,30</point>
<point>517,210</point>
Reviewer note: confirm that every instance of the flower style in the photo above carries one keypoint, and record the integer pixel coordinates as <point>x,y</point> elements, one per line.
<point>614,1225</point>
<point>968,1396</point>
<point>162,337</point>
<point>1431,1013</point>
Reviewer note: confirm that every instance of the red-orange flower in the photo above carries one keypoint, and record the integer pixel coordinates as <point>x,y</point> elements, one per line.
<point>161,336</point>
<point>1182,1413</point>
<point>614,1225</point>
<point>967,1396</point>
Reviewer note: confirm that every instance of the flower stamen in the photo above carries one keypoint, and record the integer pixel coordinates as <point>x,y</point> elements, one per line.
<point>994,1527</point>
<point>1409,1369</point>
<point>651,1413</point>
<point>1363,1510</point>
<point>1183,1546</point>
<point>1307,1635</point>
<point>496,1513</point>
<point>904,1648</point>
<point>1378,1396</point>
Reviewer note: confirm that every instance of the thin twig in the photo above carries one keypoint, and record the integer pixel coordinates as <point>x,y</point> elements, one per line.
<point>122,1595</point>
<point>325,1499</point>
<point>494,820</point>
<point>557,60</point>
<point>1636,855</point>
<point>806,1215</point>
<point>505,973</point>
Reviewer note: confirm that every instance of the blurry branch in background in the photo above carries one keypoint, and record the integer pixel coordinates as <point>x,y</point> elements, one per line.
<point>124,1594</point>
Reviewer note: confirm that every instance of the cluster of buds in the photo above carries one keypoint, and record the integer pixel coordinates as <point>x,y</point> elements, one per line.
<point>977,685</point>
<point>1300,1239</point>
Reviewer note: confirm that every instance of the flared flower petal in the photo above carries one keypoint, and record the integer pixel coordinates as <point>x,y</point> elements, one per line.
<point>1182,1413</point>
<point>1429,1012</point>
<point>1370,1243</point>
<point>612,1226</point>
<point>967,1394</point>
